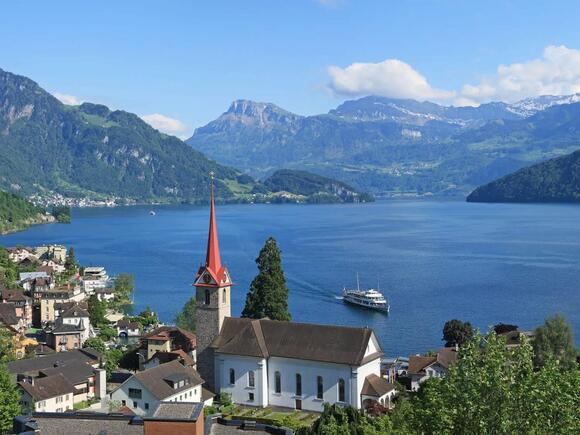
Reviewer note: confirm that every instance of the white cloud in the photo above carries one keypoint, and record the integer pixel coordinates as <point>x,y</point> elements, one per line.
<point>557,72</point>
<point>71,100</point>
<point>165,124</point>
<point>390,78</point>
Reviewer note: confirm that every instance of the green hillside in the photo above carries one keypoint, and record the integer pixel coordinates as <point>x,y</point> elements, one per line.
<point>91,151</point>
<point>16,213</point>
<point>556,180</point>
<point>315,188</point>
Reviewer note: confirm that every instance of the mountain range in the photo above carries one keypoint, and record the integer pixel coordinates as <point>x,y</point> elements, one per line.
<point>49,148</point>
<point>390,146</point>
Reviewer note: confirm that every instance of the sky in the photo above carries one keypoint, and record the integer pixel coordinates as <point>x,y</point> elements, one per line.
<point>180,64</point>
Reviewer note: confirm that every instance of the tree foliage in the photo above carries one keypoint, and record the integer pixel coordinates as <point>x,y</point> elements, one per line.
<point>555,340</point>
<point>186,318</point>
<point>268,295</point>
<point>96,343</point>
<point>456,332</point>
<point>97,311</point>
<point>9,394</point>
<point>16,213</point>
<point>492,389</point>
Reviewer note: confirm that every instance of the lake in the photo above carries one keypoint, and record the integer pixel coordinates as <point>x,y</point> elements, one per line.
<point>434,260</point>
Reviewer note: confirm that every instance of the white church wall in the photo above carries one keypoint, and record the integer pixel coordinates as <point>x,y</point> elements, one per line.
<point>309,371</point>
<point>241,390</point>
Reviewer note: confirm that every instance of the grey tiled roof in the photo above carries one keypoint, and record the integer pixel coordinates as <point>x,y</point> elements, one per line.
<point>178,410</point>
<point>264,338</point>
<point>155,379</point>
<point>33,365</point>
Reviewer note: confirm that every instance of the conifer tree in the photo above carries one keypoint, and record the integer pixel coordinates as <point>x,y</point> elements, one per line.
<point>268,295</point>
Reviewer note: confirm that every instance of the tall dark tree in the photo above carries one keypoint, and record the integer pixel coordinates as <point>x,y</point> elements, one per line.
<point>70,263</point>
<point>97,311</point>
<point>268,295</point>
<point>555,340</point>
<point>456,332</point>
<point>9,395</point>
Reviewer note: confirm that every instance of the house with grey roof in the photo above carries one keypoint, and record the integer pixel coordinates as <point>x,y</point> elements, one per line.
<point>298,365</point>
<point>169,382</point>
<point>422,368</point>
<point>47,394</point>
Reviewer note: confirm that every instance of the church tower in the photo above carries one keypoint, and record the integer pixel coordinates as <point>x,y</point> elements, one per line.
<point>213,304</point>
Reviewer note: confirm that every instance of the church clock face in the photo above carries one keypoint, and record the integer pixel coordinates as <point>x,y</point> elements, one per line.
<point>206,278</point>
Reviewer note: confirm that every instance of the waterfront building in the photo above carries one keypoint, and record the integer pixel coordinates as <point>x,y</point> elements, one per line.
<point>48,394</point>
<point>422,368</point>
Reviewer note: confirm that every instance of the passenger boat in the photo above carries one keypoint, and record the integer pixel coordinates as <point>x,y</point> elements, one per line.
<point>369,298</point>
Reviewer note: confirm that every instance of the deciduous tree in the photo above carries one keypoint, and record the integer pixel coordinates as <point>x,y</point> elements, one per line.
<point>456,332</point>
<point>186,318</point>
<point>555,339</point>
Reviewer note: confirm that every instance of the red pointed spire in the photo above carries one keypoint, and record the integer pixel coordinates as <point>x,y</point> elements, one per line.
<point>213,259</point>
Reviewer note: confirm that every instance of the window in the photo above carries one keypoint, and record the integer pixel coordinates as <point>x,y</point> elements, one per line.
<point>251,397</point>
<point>224,296</point>
<point>341,395</point>
<point>298,384</point>
<point>135,404</point>
<point>207,297</point>
<point>123,403</point>
<point>319,387</point>
<point>67,397</point>
<point>232,376</point>
<point>190,393</point>
<point>135,393</point>
<point>251,379</point>
<point>277,383</point>
<point>146,406</point>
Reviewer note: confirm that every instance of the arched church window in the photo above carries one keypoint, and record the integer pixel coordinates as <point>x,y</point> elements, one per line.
<point>207,297</point>
<point>341,395</point>
<point>224,298</point>
<point>232,376</point>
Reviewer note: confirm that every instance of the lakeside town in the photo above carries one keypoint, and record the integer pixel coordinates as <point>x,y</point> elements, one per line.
<point>78,355</point>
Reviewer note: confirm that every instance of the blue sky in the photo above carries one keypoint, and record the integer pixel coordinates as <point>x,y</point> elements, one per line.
<point>185,61</point>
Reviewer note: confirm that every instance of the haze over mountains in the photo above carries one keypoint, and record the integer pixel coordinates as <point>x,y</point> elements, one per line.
<point>390,146</point>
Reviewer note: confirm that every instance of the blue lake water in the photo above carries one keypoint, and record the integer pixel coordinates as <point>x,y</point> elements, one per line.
<point>436,260</point>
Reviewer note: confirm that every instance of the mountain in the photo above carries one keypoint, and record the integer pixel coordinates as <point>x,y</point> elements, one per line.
<point>16,213</point>
<point>556,180</point>
<point>312,188</point>
<point>49,148</point>
<point>389,146</point>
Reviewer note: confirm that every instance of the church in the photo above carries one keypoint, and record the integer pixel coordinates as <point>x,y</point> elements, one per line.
<point>273,363</point>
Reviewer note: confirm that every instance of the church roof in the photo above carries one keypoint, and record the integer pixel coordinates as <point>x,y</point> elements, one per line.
<point>265,338</point>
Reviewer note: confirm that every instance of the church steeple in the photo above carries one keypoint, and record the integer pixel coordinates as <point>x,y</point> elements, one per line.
<point>212,299</point>
<point>213,259</point>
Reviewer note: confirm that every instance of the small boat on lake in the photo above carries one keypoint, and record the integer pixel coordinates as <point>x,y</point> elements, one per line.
<point>369,298</point>
<point>152,213</point>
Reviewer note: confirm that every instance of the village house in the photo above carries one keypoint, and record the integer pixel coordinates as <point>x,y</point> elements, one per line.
<point>63,336</point>
<point>78,317</point>
<point>176,418</point>
<point>33,366</point>
<point>48,394</point>
<point>94,278</point>
<point>422,368</point>
<point>56,267</point>
<point>9,317</point>
<point>22,304</point>
<point>170,382</point>
<point>52,252</point>
<point>51,298</point>
<point>88,382</point>
<point>19,253</point>
<point>126,328</point>
<point>105,294</point>
<point>167,339</point>
<point>164,357</point>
